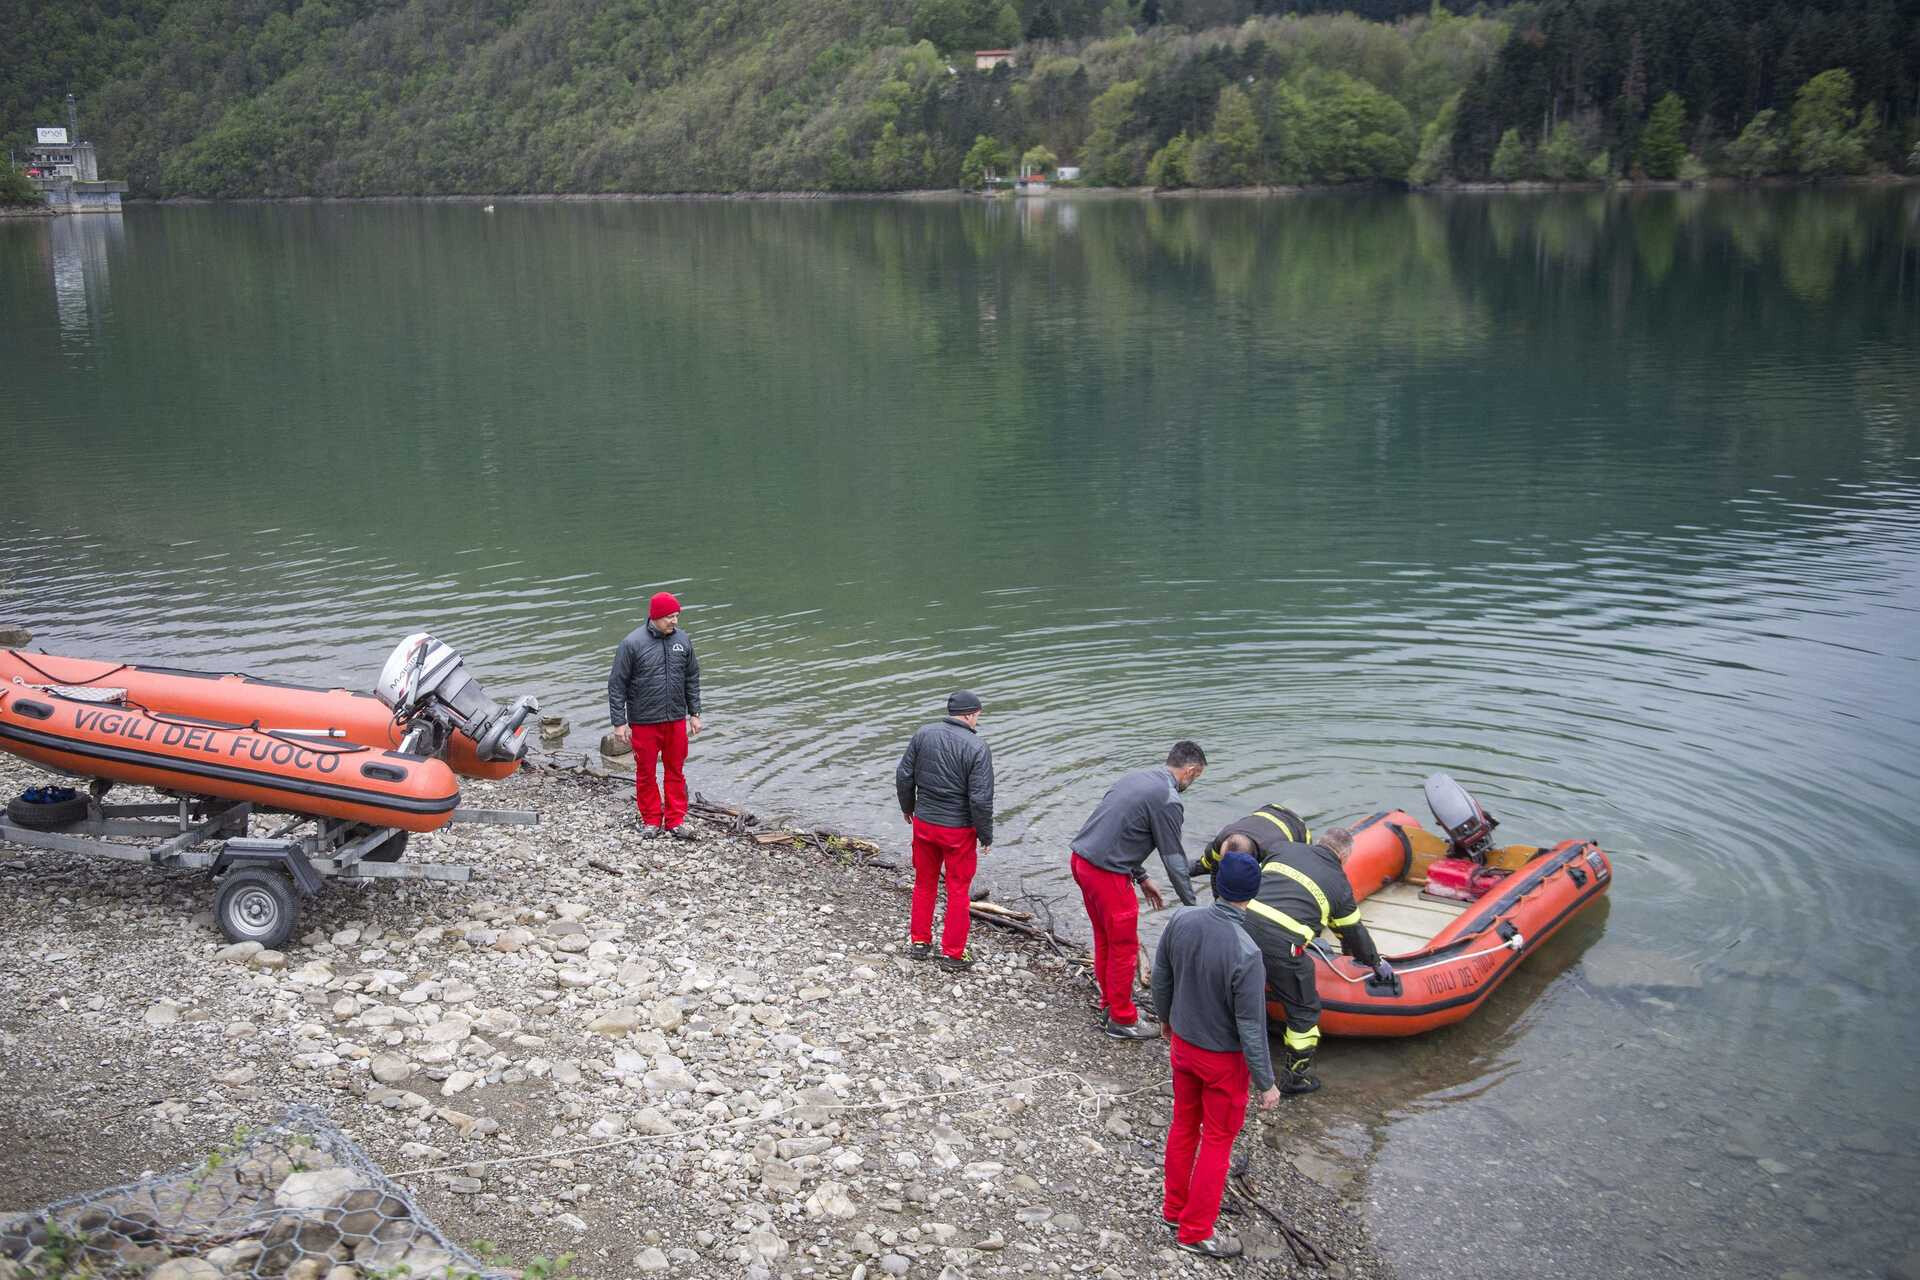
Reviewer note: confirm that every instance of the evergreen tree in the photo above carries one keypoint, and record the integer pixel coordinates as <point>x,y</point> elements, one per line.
<point>1233,158</point>
<point>1511,159</point>
<point>1661,147</point>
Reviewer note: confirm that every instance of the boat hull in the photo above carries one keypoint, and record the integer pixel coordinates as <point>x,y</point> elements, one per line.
<point>1445,977</point>
<point>321,777</point>
<point>243,699</point>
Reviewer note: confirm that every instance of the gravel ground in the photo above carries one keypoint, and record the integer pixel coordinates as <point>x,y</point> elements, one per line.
<point>718,1063</point>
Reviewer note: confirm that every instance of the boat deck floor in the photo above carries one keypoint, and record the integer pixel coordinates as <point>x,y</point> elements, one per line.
<point>1401,921</point>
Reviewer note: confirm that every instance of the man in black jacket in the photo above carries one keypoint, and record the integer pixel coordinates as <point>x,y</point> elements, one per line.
<point>653,699</point>
<point>945,784</point>
<point>1303,890</point>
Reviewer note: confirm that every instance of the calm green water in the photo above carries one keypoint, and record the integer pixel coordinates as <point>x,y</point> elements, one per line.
<point>1610,506</point>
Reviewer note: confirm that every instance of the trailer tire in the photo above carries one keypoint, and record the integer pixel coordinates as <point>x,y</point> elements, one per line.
<point>256,904</point>
<point>46,815</point>
<point>388,850</point>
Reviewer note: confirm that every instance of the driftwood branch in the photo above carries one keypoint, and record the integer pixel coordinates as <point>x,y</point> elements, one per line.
<point>1305,1251</point>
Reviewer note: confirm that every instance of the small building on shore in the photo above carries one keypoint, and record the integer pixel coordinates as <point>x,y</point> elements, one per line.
<point>67,171</point>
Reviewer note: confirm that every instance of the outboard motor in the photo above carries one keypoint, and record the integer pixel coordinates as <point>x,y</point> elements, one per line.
<point>432,694</point>
<point>1469,827</point>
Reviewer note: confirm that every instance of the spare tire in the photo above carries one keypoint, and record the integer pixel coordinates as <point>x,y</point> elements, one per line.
<point>47,808</point>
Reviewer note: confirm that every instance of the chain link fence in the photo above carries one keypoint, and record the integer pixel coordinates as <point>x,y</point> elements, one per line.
<point>294,1201</point>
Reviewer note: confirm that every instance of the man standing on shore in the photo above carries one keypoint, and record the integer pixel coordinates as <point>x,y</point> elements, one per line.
<point>945,784</point>
<point>653,698</point>
<point>1140,813</point>
<point>1210,989</point>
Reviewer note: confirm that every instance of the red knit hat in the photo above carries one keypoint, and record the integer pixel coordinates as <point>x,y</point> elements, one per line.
<point>663,604</point>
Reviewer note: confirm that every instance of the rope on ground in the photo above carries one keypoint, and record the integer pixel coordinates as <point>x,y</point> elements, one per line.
<point>1100,1098</point>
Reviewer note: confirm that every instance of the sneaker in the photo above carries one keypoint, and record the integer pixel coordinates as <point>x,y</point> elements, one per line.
<point>1173,1227</point>
<point>1214,1246</point>
<point>920,950</point>
<point>649,832</point>
<point>681,832</point>
<point>958,964</point>
<point>1130,1030</point>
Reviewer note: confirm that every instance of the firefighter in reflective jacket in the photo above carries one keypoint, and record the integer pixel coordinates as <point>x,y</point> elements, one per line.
<point>1303,890</point>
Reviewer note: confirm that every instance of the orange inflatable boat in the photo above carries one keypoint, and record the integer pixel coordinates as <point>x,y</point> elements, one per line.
<point>1454,914</point>
<point>427,704</point>
<point>274,768</point>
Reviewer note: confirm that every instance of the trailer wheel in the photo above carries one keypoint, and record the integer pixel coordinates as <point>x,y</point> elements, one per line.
<point>46,808</point>
<point>388,850</point>
<point>256,904</point>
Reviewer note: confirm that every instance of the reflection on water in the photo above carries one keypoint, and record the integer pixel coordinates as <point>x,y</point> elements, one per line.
<point>1608,505</point>
<point>82,248</point>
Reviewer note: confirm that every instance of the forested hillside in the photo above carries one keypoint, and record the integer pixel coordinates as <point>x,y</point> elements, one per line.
<point>365,97</point>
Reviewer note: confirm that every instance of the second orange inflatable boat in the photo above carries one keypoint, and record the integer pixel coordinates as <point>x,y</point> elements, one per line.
<point>1448,954</point>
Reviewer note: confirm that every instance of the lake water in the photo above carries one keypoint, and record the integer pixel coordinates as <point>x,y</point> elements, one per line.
<point>1607,505</point>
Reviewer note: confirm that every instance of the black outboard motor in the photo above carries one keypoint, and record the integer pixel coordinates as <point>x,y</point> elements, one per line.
<point>1469,828</point>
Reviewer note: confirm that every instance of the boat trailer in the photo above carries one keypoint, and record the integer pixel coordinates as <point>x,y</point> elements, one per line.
<point>261,880</point>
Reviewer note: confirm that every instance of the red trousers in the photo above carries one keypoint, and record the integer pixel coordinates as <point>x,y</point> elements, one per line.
<point>664,742</point>
<point>953,851</point>
<point>1209,1106</point>
<point>1115,914</point>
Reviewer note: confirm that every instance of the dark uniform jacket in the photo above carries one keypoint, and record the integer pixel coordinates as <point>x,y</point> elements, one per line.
<point>1303,890</point>
<point>655,678</point>
<point>1210,987</point>
<point>1269,827</point>
<point>946,778</point>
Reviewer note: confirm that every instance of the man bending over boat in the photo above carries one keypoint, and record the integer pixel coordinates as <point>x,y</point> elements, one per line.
<point>1303,890</point>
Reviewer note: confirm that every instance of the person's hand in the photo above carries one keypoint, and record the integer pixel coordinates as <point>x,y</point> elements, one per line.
<point>909,817</point>
<point>693,725</point>
<point>1270,1098</point>
<point>1151,892</point>
<point>624,732</point>
<point>985,849</point>
<point>1383,972</point>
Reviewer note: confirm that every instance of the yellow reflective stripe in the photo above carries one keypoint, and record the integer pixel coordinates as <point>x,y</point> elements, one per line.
<point>1345,922</point>
<point>1291,835</point>
<point>1306,881</point>
<point>1302,1039</point>
<point>1280,918</point>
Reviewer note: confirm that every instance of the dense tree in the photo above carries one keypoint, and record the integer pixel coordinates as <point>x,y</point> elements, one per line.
<point>16,188</point>
<point>1560,156</point>
<point>1233,152</point>
<point>1661,147</point>
<point>1038,159</point>
<point>1759,150</point>
<point>1169,166</point>
<point>984,157</point>
<point>1512,160</point>
<point>1825,138</point>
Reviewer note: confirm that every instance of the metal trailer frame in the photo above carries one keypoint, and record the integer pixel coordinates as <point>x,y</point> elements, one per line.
<point>261,880</point>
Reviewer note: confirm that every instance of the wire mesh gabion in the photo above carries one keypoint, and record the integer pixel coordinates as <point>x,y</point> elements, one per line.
<point>294,1201</point>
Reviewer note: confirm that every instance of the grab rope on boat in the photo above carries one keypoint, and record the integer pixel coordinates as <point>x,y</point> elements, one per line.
<point>1517,941</point>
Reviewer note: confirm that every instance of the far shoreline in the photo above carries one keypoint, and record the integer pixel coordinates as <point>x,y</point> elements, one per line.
<point>956,195</point>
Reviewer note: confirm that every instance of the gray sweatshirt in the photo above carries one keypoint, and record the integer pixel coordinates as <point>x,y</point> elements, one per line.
<point>1140,813</point>
<point>1211,987</point>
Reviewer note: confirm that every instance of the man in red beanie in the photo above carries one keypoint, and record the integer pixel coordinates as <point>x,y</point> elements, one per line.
<point>653,698</point>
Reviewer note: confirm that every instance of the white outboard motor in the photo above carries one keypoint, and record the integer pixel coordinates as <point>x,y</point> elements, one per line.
<point>1468,826</point>
<point>431,692</point>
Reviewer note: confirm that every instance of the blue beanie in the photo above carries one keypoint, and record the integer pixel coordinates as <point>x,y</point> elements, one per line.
<point>1237,879</point>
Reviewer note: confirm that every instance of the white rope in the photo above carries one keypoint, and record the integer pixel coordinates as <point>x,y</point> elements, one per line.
<point>1367,976</point>
<point>1099,1098</point>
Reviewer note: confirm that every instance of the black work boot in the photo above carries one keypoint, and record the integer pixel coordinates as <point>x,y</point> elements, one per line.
<point>1296,1075</point>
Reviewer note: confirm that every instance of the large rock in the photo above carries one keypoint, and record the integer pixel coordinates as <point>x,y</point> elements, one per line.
<point>612,746</point>
<point>185,1269</point>
<point>320,1188</point>
<point>650,1260</point>
<point>20,637</point>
